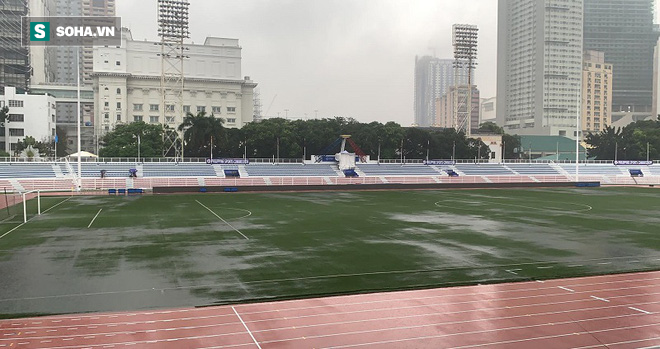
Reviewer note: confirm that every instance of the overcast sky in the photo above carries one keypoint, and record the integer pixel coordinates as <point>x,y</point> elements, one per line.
<point>351,58</point>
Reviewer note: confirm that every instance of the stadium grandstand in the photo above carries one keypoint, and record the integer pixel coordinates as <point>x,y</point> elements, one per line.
<point>101,174</point>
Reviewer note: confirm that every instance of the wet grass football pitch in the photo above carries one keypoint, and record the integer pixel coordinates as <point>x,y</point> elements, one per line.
<point>113,253</point>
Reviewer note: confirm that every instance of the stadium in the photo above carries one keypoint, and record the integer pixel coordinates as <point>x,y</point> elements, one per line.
<point>149,200</point>
<point>352,252</point>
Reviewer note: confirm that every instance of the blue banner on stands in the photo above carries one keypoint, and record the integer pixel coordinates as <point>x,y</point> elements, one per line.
<point>440,162</point>
<point>227,161</point>
<point>633,163</point>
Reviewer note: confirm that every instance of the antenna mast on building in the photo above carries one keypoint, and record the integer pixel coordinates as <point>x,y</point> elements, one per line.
<point>465,55</point>
<point>173,30</point>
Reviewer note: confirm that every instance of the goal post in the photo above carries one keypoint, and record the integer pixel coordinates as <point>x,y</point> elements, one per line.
<point>26,198</point>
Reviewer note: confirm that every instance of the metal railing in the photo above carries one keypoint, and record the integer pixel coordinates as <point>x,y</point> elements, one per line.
<point>291,160</point>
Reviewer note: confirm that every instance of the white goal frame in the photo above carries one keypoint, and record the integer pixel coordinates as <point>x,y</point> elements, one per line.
<point>25,203</point>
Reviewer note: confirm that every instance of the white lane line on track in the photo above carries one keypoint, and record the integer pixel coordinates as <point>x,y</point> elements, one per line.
<point>93,219</point>
<point>566,289</point>
<point>222,219</point>
<point>643,278</point>
<point>640,310</point>
<point>360,321</point>
<point>600,299</point>
<point>484,344</point>
<point>50,328</point>
<point>246,327</point>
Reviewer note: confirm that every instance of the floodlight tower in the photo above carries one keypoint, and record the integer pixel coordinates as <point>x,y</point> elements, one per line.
<point>173,30</point>
<point>465,55</point>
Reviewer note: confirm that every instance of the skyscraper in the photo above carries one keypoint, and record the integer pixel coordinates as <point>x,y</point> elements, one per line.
<point>433,78</point>
<point>539,59</point>
<point>14,59</point>
<point>624,31</point>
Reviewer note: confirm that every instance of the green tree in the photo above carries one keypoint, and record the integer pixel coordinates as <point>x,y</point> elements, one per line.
<point>198,131</point>
<point>603,145</point>
<point>123,141</point>
<point>4,114</point>
<point>43,148</point>
<point>62,140</point>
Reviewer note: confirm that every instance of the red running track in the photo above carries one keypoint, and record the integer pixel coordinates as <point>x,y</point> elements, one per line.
<point>614,311</point>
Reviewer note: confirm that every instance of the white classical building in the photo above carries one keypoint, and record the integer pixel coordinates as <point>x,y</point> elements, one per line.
<point>127,83</point>
<point>29,115</point>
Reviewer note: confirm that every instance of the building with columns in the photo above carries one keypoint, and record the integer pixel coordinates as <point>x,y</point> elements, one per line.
<point>127,81</point>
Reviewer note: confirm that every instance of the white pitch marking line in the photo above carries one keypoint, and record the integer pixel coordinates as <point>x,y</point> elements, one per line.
<point>600,299</point>
<point>7,233</point>
<point>244,325</point>
<point>605,263</point>
<point>513,271</point>
<point>640,310</point>
<point>566,289</point>
<point>546,267</point>
<point>22,224</point>
<point>93,219</point>
<point>59,203</point>
<point>238,231</point>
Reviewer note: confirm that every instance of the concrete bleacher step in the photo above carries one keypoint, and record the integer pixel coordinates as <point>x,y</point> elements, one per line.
<point>58,171</point>
<point>340,173</point>
<point>510,169</point>
<point>219,172</point>
<point>17,186</point>
<point>241,170</point>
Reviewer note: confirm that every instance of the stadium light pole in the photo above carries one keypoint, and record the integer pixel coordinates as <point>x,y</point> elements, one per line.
<point>79,186</point>
<point>616,151</point>
<point>648,149</point>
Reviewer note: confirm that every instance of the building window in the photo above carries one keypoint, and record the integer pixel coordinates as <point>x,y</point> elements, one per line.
<point>118,105</point>
<point>118,63</point>
<point>118,91</point>
<point>201,109</point>
<point>15,104</point>
<point>107,104</point>
<point>118,117</point>
<point>153,119</point>
<point>231,120</point>
<point>137,107</point>
<point>137,118</point>
<point>170,119</point>
<point>186,109</point>
<point>169,107</point>
<point>17,132</point>
<point>13,146</point>
<point>153,107</point>
<point>107,116</point>
<point>16,117</point>
<point>217,110</point>
<point>231,109</point>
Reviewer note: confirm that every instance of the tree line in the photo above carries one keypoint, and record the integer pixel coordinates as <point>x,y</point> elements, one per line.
<point>637,141</point>
<point>296,138</point>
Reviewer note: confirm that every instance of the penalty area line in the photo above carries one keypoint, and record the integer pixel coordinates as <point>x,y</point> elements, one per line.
<point>22,224</point>
<point>222,219</point>
<point>93,219</point>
